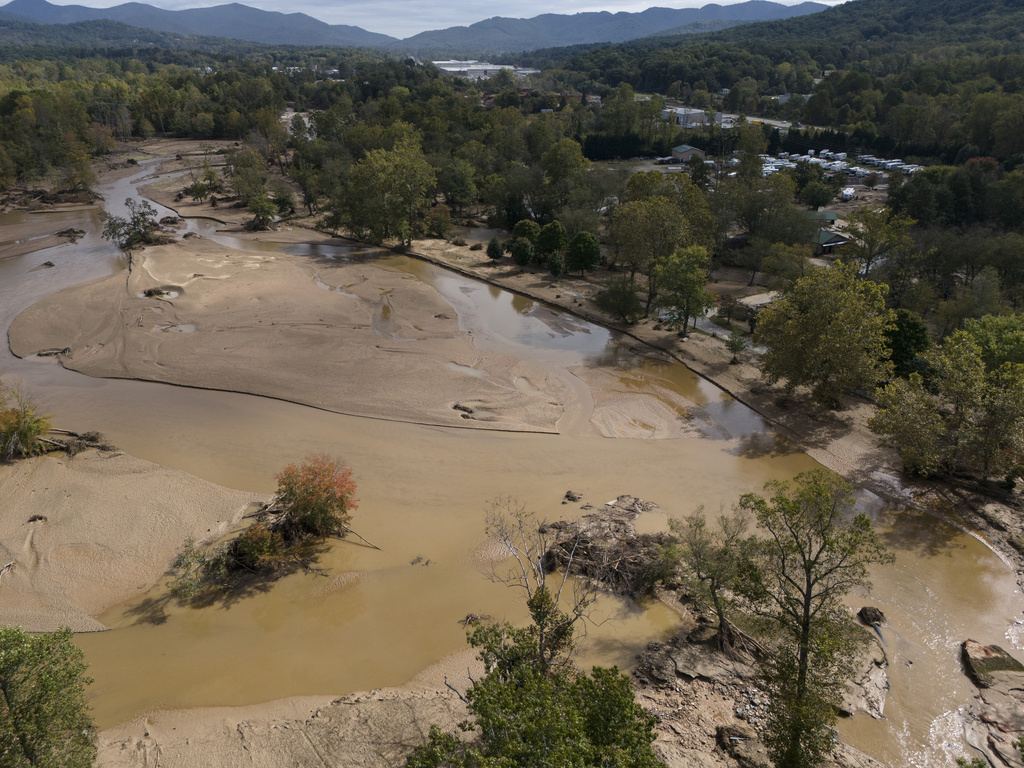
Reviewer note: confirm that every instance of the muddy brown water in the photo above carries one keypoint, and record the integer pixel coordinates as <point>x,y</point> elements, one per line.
<point>377,618</point>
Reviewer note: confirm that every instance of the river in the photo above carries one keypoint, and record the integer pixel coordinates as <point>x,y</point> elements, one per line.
<point>379,617</point>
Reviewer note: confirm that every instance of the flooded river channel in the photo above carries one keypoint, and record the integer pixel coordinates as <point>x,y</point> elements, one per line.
<point>378,617</point>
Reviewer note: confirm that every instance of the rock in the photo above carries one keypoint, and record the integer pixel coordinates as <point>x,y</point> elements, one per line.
<point>743,746</point>
<point>690,661</point>
<point>982,661</point>
<point>866,691</point>
<point>573,496</point>
<point>870,615</point>
<point>995,719</point>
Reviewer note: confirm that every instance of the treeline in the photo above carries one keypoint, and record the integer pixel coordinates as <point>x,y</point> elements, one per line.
<point>902,78</point>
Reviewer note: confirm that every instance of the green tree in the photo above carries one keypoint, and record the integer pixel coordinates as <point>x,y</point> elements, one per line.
<point>456,181</point>
<point>736,343</point>
<point>1000,338</point>
<point>583,253</point>
<point>44,715</point>
<point>389,193</point>
<point>619,300</point>
<point>716,560</point>
<point>876,235</point>
<point>817,194</point>
<point>522,251</point>
<point>495,250</point>
<point>646,232</point>
<point>827,332</point>
<point>135,230</point>
<point>907,339</point>
<point>968,419</point>
<point>814,552</point>
<point>533,708</point>
<point>910,420</point>
<point>551,240</point>
<point>262,210</point>
<point>682,278</point>
<point>530,230</point>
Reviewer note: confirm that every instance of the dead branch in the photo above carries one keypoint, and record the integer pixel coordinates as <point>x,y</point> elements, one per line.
<point>455,690</point>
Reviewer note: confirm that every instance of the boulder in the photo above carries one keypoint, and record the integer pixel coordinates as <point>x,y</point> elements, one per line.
<point>982,661</point>
<point>870,615</point>
<point>995,719</point>
<point>743,745</point>
<point>573,496</point>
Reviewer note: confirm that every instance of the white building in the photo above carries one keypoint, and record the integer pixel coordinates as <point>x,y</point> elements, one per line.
<point>480,70</point>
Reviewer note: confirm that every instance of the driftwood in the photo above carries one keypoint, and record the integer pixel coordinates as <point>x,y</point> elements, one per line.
<point>7,568</point>
<point>76,442</point>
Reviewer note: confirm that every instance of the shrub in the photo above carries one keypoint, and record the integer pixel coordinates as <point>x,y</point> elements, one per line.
<point>316,497</point>
<point>21,425</point>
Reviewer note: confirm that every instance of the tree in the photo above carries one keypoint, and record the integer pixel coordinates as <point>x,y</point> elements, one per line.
<point>816,194</point>
<point>44,715</point>
<point>527,229</point>
<point>907,339</point>
<point>647,231</point>
<point>999,337</point>
<point>262,210</point>
<point>316,497</point>
<point>584,253</point>
<point>551,240</point>
<point>683,278</point>
<point>619,299</point>
<point>827,332</point>
<point>877,235</point>
<point>314,500</point>
<point>136,229</point>
<point>813,553</point>
<point>528,541</point>
<point>716,560</point>
<point>495,250</point>
<point>522,251</point>
<point>736,343</point>
<point>389,192</point>
<point>529,719</point>
<point>456,182</point>
<point>909,419</point>
<point>967,418</point>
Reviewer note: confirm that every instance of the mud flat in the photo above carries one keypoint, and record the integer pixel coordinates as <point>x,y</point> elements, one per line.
<point>347,337</point>
<point>89,532</point>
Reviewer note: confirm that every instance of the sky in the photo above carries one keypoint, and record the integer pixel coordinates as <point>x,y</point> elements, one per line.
<point>402,18</point>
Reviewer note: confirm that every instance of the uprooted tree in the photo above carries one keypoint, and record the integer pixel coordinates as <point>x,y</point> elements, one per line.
<point>314,501</point>
<point>533,708</point>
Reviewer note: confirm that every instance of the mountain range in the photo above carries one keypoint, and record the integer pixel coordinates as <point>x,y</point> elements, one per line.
<point>497,34</point>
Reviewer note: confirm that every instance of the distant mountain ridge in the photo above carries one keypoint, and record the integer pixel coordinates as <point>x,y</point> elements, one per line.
<point>233,20</point>
<point>551,30</point>
<point>497,34</point>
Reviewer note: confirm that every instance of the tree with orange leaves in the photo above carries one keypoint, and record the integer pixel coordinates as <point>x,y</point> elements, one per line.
<point>315,498</point>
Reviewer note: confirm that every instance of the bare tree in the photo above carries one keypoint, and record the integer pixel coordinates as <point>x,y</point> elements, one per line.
<point>558,603</point>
